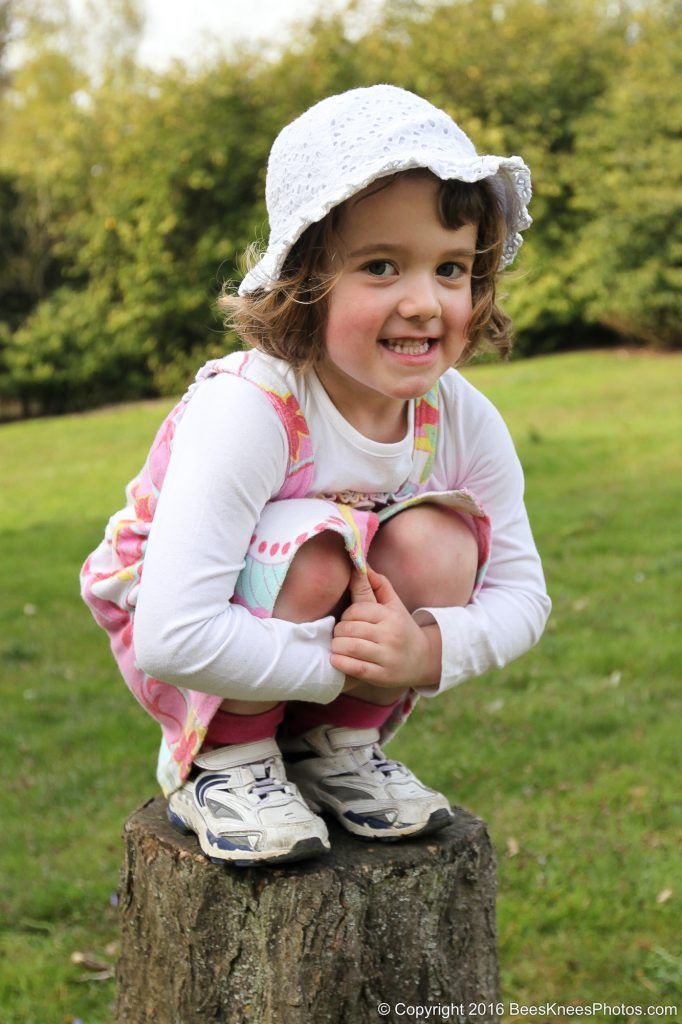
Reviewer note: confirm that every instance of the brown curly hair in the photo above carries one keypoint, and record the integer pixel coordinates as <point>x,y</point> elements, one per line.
<point>288,321</point>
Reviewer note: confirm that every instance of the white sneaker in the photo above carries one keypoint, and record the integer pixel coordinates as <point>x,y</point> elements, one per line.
<point>345,772</point>
<point>244,810</point>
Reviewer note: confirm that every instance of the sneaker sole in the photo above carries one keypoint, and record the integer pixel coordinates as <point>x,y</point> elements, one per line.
<point>310,847</point>
<point>436,821</point>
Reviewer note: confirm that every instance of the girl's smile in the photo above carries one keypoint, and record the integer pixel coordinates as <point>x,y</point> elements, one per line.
<point>399,309</point>
<point>411,350</point>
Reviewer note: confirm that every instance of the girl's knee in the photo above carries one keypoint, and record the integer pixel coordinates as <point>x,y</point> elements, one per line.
<point>430,554</point>
<point>317,579</point>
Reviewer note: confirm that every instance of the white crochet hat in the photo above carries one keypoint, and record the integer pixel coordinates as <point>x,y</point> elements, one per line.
<point>343,143</point>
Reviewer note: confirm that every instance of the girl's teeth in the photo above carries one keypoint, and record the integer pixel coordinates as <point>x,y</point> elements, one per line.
<point>410,347</point>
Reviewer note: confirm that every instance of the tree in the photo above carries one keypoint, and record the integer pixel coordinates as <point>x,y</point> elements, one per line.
<point>626,264</point>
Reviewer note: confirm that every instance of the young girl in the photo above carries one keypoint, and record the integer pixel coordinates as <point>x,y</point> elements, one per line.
<point>258,635</point>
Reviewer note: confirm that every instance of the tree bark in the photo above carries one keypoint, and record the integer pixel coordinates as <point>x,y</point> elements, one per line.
<point>323,941</point>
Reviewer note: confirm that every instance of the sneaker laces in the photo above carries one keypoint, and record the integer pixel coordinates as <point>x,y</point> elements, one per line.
<point>265,783</point>
<point>381,763</point>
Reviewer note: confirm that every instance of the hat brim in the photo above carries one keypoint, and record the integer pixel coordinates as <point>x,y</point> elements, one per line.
<point>509,175</point>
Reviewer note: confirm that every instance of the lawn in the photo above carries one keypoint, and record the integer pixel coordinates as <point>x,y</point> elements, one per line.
<point>571,754</point>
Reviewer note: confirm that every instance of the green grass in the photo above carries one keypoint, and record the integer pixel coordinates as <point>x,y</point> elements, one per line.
<point>570,754</point>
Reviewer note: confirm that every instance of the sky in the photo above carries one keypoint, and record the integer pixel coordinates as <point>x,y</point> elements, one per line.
<point>188,28</point>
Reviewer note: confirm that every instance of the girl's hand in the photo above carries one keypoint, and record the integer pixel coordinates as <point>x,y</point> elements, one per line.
<point>377,640</point>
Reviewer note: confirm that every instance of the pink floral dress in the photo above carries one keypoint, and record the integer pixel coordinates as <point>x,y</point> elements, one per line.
<point>110,577</point>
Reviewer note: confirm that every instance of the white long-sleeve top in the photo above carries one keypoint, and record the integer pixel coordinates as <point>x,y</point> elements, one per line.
<point>229,460</point>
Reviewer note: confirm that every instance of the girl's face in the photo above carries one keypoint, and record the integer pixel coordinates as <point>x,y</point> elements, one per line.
<point>397,314</point>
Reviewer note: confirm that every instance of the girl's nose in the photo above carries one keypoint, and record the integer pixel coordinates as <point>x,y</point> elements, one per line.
<point>419,300</point>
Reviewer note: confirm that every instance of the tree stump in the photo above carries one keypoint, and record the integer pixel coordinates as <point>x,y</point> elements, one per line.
<point>323,941</point>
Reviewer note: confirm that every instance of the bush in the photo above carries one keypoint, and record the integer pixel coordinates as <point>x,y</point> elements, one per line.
<point>141,192</point>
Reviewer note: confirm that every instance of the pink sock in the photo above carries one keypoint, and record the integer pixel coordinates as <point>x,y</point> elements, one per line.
<point>347,711</point>
<point>226,727</point>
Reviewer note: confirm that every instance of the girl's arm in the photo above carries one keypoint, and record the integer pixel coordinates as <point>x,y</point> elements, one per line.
<point>509,614</point>
<point>229,459</point>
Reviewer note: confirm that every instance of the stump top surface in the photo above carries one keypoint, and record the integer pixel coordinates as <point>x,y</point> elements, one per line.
<point>151,827</point>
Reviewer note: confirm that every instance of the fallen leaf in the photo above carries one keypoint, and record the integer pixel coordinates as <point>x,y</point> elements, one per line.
<point>643,980</point>
<point>638,791</point>
<point>512,847</point>
<point>88,963</point>
<point>664,895</point>
<point>101,976</point>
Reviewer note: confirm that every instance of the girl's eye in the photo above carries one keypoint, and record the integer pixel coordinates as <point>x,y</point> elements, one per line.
<point>380,268</point>
<point>451,271</point>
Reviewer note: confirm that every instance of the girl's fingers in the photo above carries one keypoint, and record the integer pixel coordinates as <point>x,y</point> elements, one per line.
<point>365,671</point>
<point>360,650</point>
<point>381,586</point>
<point>363,613</point>
<point>360,588</point>
<point>360,629</point>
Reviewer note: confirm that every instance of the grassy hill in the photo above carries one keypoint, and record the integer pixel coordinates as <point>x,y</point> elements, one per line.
<point>570,754</point>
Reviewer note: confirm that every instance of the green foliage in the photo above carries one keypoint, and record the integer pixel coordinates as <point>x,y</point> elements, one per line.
<point>18,290</point>
<point>126,198</point>
<point>626,265</point>
<point>164,212</point>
